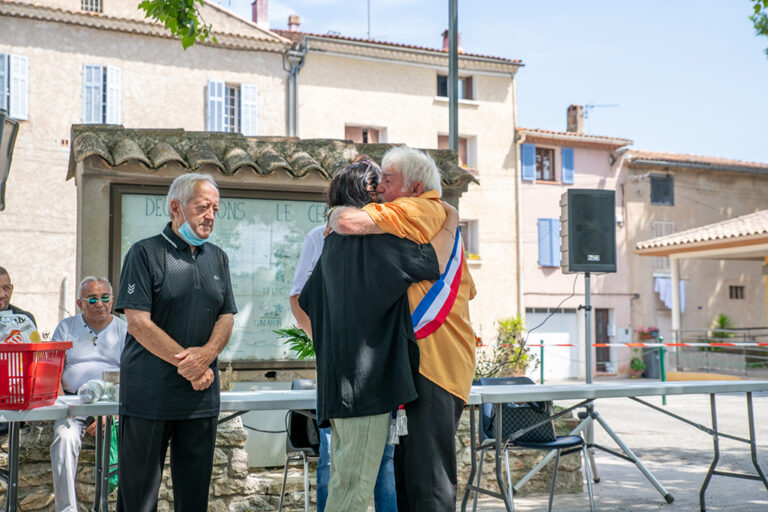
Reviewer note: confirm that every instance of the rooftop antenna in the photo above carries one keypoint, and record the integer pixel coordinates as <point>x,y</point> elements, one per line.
<point>588,108</point>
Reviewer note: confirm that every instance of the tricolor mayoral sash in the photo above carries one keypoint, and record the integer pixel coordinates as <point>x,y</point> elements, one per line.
<point>437,303</point>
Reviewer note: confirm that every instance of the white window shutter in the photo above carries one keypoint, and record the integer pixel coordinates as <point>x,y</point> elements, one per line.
<point>249,110</point>
<point>215,111</point>
<point>114,107</point>
<point>19,87</point>
<point>3,81</point>
<point>92,94</point>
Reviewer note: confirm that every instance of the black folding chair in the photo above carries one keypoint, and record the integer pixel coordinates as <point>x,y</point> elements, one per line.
<point>302,442</point>
<point>517,420</point>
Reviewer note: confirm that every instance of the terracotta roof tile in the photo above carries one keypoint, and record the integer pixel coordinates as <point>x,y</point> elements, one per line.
<point>750,225</point>
<point>639,157</point>
<point>232,153</point>
<point>605,138</point>
<point>295,35</point>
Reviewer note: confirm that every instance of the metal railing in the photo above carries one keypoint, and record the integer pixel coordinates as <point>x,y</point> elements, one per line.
<point>733,351</point>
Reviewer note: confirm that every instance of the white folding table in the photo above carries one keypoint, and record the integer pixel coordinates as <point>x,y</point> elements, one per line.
<point>499,395</point>
<point>56,411</point>
<point>236,403</point>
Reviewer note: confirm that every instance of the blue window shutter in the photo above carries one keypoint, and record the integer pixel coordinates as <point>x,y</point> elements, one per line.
<point>19,87</point>
<point>93,95</point>
<point>545,243</point>
<point>528,159</point>
<point>114,107</point>
<point>215,111</point>
<point>3,81</point>
<point>555,240</point>
<point>567,171</point>
<point>249,110</point>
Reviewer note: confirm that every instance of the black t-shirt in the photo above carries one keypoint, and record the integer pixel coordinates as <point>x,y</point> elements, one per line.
<point>185,295</point>
<point>365,348</point>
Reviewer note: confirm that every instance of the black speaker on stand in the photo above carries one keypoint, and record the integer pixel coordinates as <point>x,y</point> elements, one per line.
<point>588,244</point>
<point>588,230</point>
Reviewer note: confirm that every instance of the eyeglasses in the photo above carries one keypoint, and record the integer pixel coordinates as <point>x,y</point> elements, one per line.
<point>93,299</point>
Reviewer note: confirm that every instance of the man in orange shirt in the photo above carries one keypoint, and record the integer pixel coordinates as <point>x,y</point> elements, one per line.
<point>425,459</point>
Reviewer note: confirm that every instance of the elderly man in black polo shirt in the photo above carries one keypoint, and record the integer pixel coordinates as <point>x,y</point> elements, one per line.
<point>176,294</point>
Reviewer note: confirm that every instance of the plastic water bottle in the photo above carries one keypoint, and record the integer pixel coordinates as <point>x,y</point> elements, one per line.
<point>110,391</point>
<point>91,391</point>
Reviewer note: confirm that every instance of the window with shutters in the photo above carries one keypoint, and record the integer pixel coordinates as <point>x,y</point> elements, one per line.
<point>14,85</point>
<point>232,108</point>
<point>545,164</point>
<point>465,87</point>
<point>90,5</point>
<point>102,102</point>
<point>661,228</point>
<point>539,163</point>
<point>549,242</point>
<point>662,190</point>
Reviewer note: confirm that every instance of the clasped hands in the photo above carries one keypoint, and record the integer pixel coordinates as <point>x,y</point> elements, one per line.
<point>194,366</point>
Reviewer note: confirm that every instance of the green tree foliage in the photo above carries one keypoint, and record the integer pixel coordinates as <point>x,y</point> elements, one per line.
<point>181,18</point>
<point>760,18</point>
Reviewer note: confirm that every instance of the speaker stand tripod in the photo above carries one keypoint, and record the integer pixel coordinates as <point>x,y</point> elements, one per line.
<point>591,415</point>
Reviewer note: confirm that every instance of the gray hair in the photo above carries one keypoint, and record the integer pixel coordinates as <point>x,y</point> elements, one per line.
<point>416,167</point>
<point>183,188</point>
<point>93,279</point>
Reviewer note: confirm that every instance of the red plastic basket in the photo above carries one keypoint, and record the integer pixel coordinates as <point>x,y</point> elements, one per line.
<point>30,373</point>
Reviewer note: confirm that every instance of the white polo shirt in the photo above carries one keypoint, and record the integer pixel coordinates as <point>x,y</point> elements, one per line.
<point>310,253</point>
<point>91,351</point>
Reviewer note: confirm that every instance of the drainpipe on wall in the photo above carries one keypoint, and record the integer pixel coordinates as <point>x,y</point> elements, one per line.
<point>293,61</point>
<point>518,212</point>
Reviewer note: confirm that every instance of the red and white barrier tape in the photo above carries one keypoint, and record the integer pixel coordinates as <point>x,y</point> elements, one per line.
<point>640,344</point>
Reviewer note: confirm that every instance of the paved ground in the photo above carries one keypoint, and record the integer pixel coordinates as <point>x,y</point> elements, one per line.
<point>677,454</point>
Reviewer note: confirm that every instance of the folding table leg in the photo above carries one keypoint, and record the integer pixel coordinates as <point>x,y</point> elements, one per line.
<point>715,457</point>
<point>99,466</point>
<point>752,442</point>
<point>473,456</point>
<point>506,496</point>
<point>105,463</point>
<point>13,467</point>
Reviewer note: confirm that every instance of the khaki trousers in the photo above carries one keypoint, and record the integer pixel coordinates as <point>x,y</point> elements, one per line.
<point>357,445</point>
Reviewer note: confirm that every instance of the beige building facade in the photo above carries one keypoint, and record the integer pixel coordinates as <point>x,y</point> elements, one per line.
<point>668,193</point>
<point>104,67</point>
<point>115,67</point>
<point>551,163</point>
<point>393,94</point>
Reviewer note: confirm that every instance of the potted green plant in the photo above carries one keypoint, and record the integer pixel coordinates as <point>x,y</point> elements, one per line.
<point>636,367</point>
<point>298,341</point>
<point>508,356</point>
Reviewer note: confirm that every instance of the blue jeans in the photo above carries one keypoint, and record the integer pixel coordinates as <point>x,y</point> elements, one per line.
<point>384,494</point>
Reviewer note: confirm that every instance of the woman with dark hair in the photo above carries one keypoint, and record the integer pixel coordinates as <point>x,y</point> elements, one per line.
<point>354,185</point>
<point>365,347</point>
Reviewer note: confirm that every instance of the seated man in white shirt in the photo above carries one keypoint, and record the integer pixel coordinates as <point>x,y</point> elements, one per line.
<point>97,340</point>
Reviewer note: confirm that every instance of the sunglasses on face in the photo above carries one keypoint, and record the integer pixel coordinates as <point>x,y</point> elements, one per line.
<point>93,299</point>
